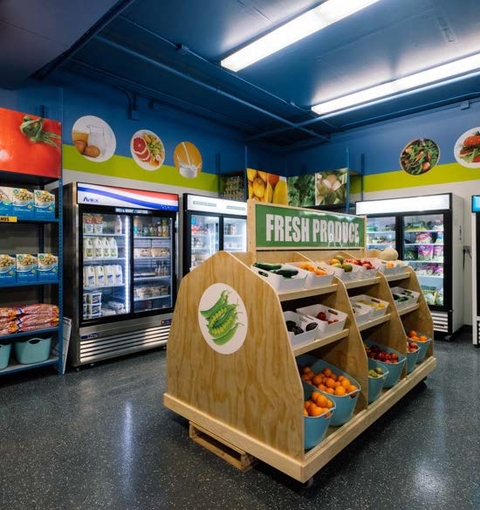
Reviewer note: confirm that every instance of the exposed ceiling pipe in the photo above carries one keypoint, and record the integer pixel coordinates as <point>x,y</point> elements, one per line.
<point>184,76</point>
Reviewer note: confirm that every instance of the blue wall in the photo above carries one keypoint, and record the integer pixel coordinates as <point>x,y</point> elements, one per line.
<point>368,150</point>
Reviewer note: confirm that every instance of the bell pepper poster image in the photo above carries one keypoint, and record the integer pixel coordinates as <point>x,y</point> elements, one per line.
<point>30,144</point>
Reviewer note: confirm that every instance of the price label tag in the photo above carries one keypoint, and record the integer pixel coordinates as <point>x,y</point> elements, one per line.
<point>8,219</point>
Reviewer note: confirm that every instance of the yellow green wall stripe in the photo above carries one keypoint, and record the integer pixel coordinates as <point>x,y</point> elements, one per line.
<point>126,168</point>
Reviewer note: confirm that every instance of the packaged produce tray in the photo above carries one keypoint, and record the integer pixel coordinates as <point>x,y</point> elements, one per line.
<point>328,319</point>
<point>379,306</point>
<point>345,404</point>
<point>280,280</point>
<point>301,321</point>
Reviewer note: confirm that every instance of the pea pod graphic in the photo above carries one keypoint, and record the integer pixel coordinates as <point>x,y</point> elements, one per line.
<point>222,319</point>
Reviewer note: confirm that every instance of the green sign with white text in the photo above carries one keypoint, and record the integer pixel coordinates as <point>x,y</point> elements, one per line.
<point>293,228</point>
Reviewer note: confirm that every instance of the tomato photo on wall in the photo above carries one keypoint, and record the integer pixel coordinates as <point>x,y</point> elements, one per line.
<point>30,144</point>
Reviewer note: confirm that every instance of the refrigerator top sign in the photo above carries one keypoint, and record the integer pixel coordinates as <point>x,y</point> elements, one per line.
<point>215,205</point>
<point>91,194</point>
<point>403,205</point>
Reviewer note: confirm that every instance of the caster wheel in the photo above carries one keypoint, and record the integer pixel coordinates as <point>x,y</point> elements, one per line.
<point>308,484</point>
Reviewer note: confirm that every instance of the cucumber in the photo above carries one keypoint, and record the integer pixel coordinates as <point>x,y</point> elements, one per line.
<point>267,267</point>
<point>286,273</point>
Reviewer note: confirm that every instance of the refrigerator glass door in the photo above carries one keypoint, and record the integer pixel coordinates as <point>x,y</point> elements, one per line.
<point>381,233</point>
<point>423,249</point>
<point>235,234</point>
<point>152,263</point>
<point>105,250</point>
<point>204,237</point>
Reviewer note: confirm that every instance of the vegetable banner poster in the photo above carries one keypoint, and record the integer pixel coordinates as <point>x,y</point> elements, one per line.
<point>30,144</point>
<point>321,188</point>
<point>293,228</point>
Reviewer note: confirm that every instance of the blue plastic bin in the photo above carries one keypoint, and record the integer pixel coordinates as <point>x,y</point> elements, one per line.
<point>344,405</point>
<point>315,427</point>
<point>394,369</point>
<point>412,358</point>
<point>32,350</point>
<point>375,384</point>
<point>4,354</point>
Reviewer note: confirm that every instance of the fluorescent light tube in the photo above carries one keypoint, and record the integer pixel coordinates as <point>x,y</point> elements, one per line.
<point>304,25</point>
<point>441,73</point>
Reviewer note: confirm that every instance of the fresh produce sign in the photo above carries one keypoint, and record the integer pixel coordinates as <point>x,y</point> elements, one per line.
<point>285,227</point>
<point>30,144</point>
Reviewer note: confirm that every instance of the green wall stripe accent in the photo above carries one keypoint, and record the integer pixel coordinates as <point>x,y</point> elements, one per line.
<point>126,168</point>
<point>440,174</point>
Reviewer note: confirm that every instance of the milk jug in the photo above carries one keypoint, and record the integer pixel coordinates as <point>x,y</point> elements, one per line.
<point>88,249</point>
<point>97,248</point>
<point>105,248</point>
<point>113,248</point>
<point>99,276</point>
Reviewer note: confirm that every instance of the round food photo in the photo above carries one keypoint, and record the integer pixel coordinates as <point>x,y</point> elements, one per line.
<point>94,138</point>
<point>147,150</point>
<point>419,156</point>
<point>187,159</point>
<point>467,148</point>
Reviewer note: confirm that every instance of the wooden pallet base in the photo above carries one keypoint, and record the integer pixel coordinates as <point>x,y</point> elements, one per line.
<point>221,448</point>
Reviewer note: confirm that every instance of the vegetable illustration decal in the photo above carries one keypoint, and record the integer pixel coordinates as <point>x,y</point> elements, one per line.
<point>419,156</point>
<point>25,138</point>
<point>467,148</point>
<point>222,319</point>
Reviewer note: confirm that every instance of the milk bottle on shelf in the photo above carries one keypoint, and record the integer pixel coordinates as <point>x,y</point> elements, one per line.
<point>99,276</point>
<point>90,279</point>
<point>113,247</point>
<point>105,249</point>
<point>88,248</point>
<point>97,248</point>
<point>109,275</point>
<point>118,274</point>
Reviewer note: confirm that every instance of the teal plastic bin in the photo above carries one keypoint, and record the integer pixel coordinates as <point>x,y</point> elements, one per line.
<point>376,384</point>
<point>412,358</point>
<point>394,369</point>
<point>315,427</point>
<point>32,350</point>
<point>344,405</point>
<point>5,355</point>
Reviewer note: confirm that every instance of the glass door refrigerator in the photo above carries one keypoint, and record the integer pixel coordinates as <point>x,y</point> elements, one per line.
<point>427,232</point>
<point>211,225</point>
<point>120,248</point>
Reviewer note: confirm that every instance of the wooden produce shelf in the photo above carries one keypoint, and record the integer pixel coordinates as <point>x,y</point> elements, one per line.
<point>251,399</point>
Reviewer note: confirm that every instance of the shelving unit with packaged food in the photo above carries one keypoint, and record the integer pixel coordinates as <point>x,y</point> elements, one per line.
<point>31,289</point>
<point>248,392</point>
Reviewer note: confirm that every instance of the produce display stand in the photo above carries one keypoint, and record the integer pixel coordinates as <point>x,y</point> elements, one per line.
<point>252,398</point>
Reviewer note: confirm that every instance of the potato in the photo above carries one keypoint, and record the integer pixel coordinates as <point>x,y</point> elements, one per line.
<point>92,151</point>
<point>80,145</point>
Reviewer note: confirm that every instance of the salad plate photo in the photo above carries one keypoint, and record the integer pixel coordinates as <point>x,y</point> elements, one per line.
<point>419,156</point>
<point>467,148</point>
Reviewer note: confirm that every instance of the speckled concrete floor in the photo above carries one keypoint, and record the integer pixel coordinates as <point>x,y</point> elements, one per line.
<point>100,439</point>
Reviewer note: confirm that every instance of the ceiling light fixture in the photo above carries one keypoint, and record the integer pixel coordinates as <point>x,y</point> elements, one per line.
<point>304,25</point>
<point>440,74</point>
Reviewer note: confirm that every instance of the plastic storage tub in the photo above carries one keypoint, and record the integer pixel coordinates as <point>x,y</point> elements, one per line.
<point>315,427</point>
<point>279,282</point>
<point>344,405</point>
<point>362,313</point>
<point>412,358</point>
<point>324,328</point>
<point>32,350</point>
<point>302,322</point>
<point>394,369</point>
<point>379,306</point>
<point>375,384</point>
<point>422,346</point>
<point>4,354</point>
<point>313,280</point>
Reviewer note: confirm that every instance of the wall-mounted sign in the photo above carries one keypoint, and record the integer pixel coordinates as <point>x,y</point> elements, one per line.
<point>267,188</point>
<point>321,188</point>
<point>419,156</point>
<point>293,228</point>
<point>467,148</point>
<point>187,159</point>
<point>147,150</point>
<point>94,138</point>
<point>30,144</point>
